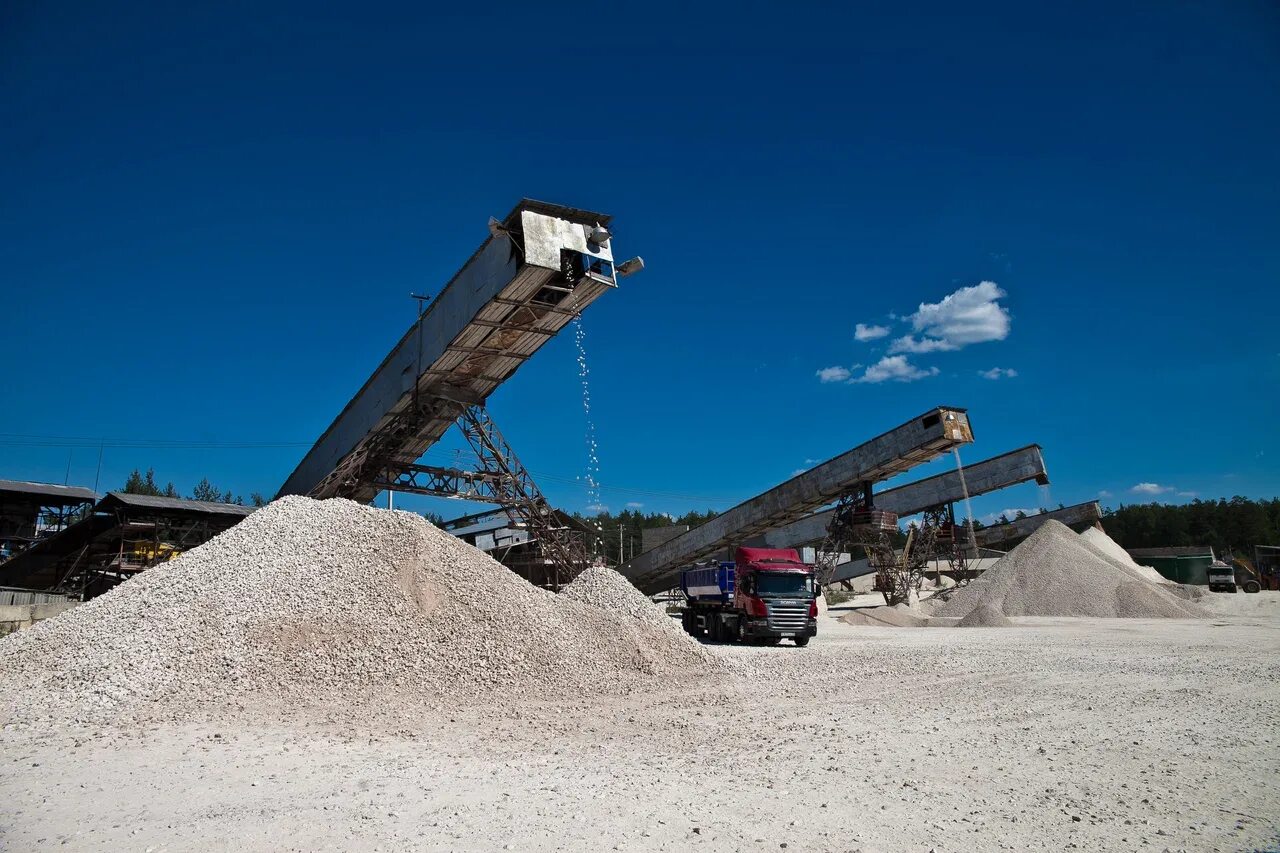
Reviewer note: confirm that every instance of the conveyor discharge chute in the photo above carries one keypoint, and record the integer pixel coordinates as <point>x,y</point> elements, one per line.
<point>1089,512</point>
<point>990,475</point>
<point>540,267</point>
<point>919,440</point>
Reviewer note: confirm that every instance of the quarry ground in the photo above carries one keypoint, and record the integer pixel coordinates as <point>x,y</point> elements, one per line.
<point>1057,733</point>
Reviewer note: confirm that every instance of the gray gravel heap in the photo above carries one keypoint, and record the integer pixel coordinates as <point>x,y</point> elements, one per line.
<point>984,616</point>
<point>1111,548</point>
<point>603,587</point>
<point>309,600</point>
<point>1057,573</point>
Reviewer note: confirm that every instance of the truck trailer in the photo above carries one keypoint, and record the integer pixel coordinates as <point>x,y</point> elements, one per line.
<point>765,595</point>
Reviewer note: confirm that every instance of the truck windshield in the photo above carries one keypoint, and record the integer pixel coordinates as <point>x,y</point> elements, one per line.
<point>784,584</point>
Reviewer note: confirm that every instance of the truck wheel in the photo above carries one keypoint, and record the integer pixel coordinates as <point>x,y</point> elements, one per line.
<point>713,628</point>
<point>1252,586</point>
<point>686,622</point>
<point>802,641</point>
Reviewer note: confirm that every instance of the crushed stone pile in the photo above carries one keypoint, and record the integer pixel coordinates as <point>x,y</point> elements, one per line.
<point>1111,548</point>
<point>1056,573</point>
<point>311,600</point>
<point>898,616</point>
<point>603,587</point>
<point>984,616</point>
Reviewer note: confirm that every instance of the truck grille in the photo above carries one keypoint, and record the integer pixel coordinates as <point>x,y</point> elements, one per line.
<point>791,615</point>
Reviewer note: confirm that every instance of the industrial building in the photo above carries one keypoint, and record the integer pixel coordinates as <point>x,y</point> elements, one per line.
<point>121,535</point>
<point>30,512</point>
<point>1180,564</point>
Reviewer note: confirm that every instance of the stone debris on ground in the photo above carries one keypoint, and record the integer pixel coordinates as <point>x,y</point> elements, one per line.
<point>307,600</point>
<point>1054,572</point>
<point>897,616</point>
<point>984,616</point>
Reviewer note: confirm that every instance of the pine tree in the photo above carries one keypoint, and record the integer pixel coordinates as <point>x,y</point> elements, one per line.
<point>139,484</point>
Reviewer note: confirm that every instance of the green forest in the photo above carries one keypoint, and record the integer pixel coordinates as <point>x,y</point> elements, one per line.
<point>138,483</point>
<point>1234,525</point>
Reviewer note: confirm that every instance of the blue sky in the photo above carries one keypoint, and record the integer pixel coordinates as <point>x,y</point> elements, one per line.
<point>212,219</point>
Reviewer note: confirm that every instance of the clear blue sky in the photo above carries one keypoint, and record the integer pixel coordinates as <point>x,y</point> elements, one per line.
<point>212,218</point>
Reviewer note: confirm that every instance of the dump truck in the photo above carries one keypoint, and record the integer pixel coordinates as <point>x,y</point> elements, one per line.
<point>765,595</point>
<point>1232,575</point>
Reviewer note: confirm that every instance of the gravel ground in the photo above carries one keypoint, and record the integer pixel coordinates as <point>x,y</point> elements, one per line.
<point>1086,734</point>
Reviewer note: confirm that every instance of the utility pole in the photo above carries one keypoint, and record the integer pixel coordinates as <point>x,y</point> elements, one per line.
<point>97,474</point>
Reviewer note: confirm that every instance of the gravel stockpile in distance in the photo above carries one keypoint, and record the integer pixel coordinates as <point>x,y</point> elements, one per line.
<point>319,600</point>
<point>1112,549</point>
<point>984,616</point>
<point>898,616</point>
<point>1056,573</point>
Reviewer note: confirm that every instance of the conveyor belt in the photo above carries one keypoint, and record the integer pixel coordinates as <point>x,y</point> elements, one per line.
<point>919,440</point>
<point>999,472</point>
<point>538,269</point>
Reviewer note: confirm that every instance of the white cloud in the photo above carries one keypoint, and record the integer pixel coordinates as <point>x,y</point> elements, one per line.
<point>971,315</point>
<point>1187,494</point>
<point>908,343</point>
<point>634,504</point>
<point>597,507</point>
<point>798,472</point>
<point>1011,514</point>
<point>863,332</point>
<point>812,461</point>
<point>894,368</point>
<point>834,374</point>
<point>1150,489</point>
<point>998,372</point>
<point>1104,494</point>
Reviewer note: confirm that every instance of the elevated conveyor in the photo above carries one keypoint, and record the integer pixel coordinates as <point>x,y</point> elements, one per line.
<point>935,432</point>
<point>540,267</point>
<point>990,475</point>
<point>998,535</point>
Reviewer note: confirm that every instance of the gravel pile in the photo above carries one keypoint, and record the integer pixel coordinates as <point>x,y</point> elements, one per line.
<point>603,587</point>
<point>316,601</point>
<point>897,616</point>
<point>1056,573</point>
<point>984,616</point>
<point>1111,548</point>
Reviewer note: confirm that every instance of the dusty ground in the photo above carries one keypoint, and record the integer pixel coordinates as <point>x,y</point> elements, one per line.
<point>1080,734</point>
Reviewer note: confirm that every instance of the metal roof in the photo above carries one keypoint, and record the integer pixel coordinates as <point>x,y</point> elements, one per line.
<point>573,214</point>
<point>114,499</point>
<point>71,494</point>
<point>1176,551</point>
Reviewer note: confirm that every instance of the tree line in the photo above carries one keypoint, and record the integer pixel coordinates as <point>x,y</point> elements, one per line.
<point>1234,525</point>
<point>138,483</point>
